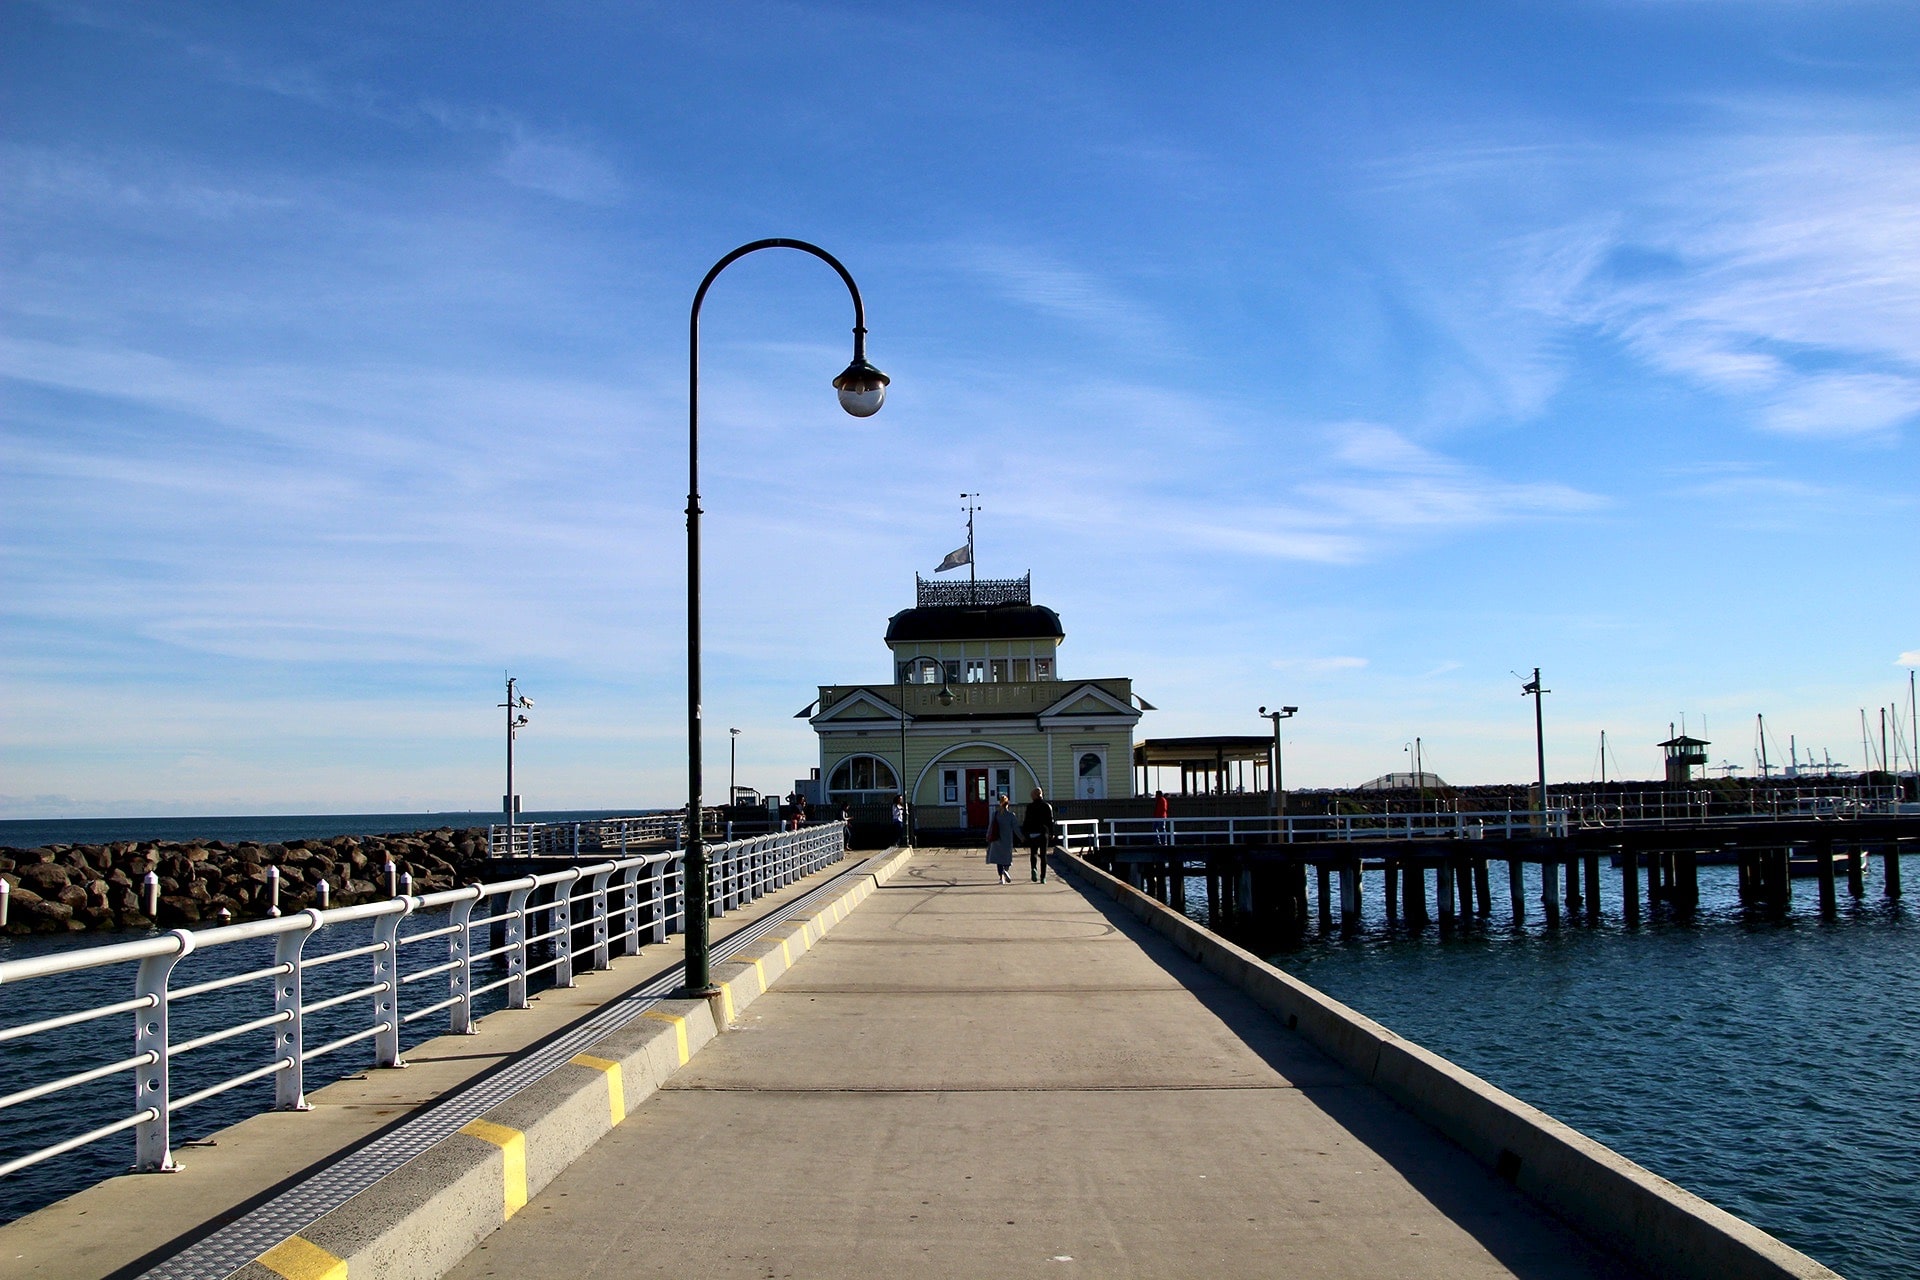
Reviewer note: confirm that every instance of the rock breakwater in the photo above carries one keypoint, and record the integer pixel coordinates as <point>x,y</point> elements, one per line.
<point>76,888</point>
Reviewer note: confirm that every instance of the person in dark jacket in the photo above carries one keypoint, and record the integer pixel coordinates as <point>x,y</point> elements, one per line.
<point>1002,830</point>
<point>1041,833</point>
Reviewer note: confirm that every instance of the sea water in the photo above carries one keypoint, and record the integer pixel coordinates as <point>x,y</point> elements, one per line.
<point>1769,1064</point>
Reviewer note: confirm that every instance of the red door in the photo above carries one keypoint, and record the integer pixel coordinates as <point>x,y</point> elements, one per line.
<point>977,807</point>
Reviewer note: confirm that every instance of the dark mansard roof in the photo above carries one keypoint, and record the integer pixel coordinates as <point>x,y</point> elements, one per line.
<point>957,622</point>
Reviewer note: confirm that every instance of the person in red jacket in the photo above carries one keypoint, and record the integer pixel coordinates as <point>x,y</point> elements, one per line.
<point>1161,827</point>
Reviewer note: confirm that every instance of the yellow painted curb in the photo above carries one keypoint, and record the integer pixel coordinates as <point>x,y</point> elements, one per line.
<point>298,1259</point>
<point>616,1091</point>
<point>513,1152</point>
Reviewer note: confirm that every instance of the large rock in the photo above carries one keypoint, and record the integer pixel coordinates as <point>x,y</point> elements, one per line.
<point>46,878</point>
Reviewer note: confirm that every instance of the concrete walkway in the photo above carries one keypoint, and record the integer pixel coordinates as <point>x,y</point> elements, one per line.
<point>970,1079</point>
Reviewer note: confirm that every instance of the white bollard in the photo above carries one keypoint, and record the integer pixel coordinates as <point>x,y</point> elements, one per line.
<point>393,879</point>
<point>273,891</point>
<point>406,884</point>
<point>6,896</point>
<point>150,893</point>
<point>323,891</point>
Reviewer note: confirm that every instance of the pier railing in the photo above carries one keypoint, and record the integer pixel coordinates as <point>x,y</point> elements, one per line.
<point>1679,809</point>
<point>317,983</point>
<point>1083,835</point>
<point>584,839</point>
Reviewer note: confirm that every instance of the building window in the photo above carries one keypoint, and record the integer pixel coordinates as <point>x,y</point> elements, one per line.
<point>953,673</point>
<point>950,786</point>
<point>1003,783</point>
<point>1043,668</point>
<point>999,669</point>
<point>1023,668</point>
<point>976,670</point>
<point>862,774</point>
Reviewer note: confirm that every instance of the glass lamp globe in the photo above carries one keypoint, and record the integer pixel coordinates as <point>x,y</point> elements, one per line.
<point>862,388</point>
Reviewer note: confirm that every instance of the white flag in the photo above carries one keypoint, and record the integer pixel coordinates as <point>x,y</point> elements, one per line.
<point>955,559</point>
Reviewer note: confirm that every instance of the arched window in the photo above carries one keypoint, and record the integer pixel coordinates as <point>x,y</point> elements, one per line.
<point>857,774</point>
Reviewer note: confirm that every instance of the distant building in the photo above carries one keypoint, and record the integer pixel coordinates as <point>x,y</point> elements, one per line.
<point>977,707</point>
<point>1408,781</point>
<point>1684,755</point>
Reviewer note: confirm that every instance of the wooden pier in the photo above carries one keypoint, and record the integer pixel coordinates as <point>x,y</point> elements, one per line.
<point>1254,884</point>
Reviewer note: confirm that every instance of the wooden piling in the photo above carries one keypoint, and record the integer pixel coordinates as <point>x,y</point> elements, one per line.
<point>1890,866</point>
<point>1629,884</point>
<point>1516,889</point>
<point>1829,891</point>
<point>1442,893</point>
<point>1687,876</point>
<point>1324,876</point>
<point>1550,890</point>
<point>1413,894</point>
<point>1482,888</point>
<point>1572,866</point>
<point>1856,871</point>
<point>1391,874</point>
<point>1349,892</point>
<point>1593,885</point>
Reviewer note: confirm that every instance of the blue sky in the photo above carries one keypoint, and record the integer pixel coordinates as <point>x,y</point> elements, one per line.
<point>1351,356</point>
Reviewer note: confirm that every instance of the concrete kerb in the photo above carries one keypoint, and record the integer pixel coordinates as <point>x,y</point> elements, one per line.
<point>1662,1226</point>
<point>418,1222</point>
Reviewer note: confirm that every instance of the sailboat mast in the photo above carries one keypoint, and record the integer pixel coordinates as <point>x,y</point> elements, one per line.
<point>1762,731</point>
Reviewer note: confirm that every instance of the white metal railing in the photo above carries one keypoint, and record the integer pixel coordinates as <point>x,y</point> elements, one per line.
<point>578,839</point>
<point>497,938</point>
<point>1081,835</point>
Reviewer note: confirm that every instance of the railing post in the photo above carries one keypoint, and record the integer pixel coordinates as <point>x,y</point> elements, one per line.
<point>153,1152</point>
<point>386,970</point>
<point>516,945</point>
<point>630,909</point>
<point>460,977</point>
<point>561,926</point>
<point>289,1083</point>
<point>602,959</point>
<point>659,923</point>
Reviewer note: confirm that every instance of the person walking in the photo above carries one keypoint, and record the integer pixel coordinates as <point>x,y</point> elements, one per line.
<point>1161,808</point>
<point>899,820</point>
<point>1038,821</point>
<point>1002,830</point>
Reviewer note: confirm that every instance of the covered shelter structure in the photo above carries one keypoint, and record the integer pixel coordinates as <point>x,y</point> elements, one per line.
<point>1214,765</point>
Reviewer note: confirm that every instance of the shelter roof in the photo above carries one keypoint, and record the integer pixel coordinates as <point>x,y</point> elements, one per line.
<point>1203,752</point>
<point>1684,741</point>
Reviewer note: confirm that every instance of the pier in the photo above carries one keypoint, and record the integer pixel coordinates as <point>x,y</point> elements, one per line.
<point>1268,876</point>
<point>911,1068</point>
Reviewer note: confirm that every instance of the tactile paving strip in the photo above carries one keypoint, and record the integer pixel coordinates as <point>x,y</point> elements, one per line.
<point>246,1238</point>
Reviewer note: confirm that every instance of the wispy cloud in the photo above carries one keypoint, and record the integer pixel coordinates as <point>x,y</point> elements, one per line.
<point>1320,666</point>
<point>1769,254</point>
<point>1064,292</point>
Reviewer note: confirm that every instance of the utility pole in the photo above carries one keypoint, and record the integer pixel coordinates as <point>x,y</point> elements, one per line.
<point>514,705</point>
<point>1532,689</point>
<point>1279,787</point>
<point>733,766</point>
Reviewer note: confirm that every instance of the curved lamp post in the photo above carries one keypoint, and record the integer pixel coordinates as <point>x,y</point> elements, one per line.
<point>862,389</point>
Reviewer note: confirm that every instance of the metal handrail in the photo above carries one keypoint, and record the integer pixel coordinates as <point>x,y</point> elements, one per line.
<point>586,914</point>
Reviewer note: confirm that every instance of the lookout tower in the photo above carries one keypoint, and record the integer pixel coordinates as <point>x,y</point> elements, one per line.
<point>1684,755</point>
